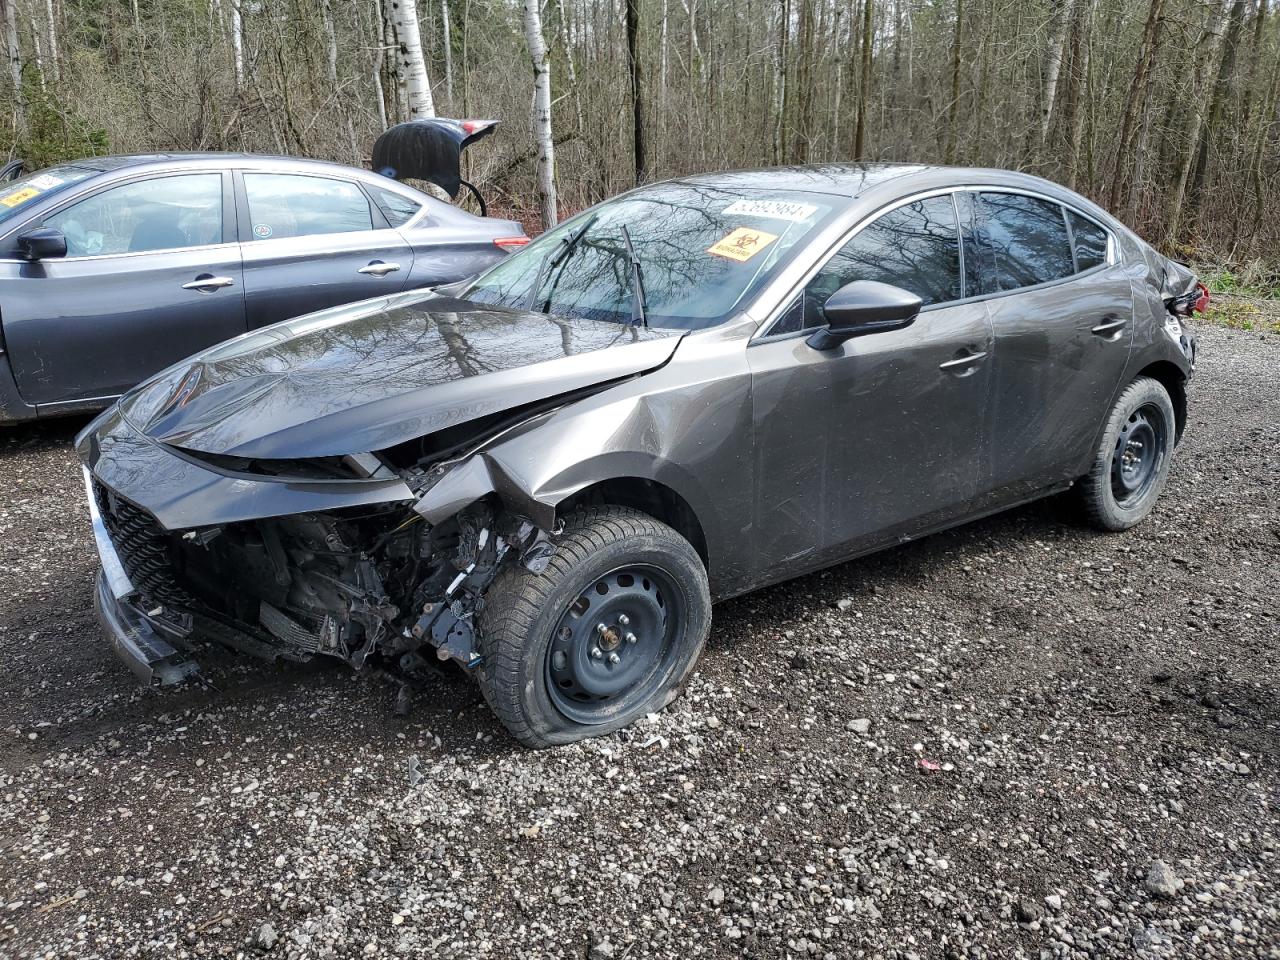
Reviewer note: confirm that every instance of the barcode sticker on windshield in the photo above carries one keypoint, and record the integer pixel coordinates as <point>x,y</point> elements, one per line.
<point>772,209</point>
<point>742,244</point>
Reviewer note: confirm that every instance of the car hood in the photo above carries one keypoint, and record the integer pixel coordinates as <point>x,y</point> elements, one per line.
<point>368,376</point>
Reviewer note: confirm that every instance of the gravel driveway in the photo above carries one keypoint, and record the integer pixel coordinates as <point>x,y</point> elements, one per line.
<point>1017,739</point>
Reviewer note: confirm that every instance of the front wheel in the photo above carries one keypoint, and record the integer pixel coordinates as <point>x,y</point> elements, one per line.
<point>607,633</point>
<point>1131,463</point>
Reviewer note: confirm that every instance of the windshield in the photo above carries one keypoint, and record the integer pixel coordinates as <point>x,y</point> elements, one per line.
<point>17,195</point>
<point>702,251</point>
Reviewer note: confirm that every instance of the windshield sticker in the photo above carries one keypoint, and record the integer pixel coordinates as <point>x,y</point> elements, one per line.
<point>46,181</point>
<point>19,196</point>
<point>772,209</point>
<point>262,231</point>
<point>742,244</point>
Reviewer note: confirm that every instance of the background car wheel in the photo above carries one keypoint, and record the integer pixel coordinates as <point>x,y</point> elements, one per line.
<point>607,633</point>
<point>1132,461</point>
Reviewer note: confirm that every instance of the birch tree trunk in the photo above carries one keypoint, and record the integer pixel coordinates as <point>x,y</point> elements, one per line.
<point>55,65</point>
<point>379,49</point>
<point>448,51</point>
<point>15,65</point>
<point>39,54</point>
<point>237,44</point>
<point>1053,65</point>
<point>542,113</point>
<point>330,41</point>
<point>412,64</point>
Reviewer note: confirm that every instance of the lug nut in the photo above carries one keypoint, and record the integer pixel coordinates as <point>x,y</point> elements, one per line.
<point>623,619</point>
<point>595,653</point>
<point>631,638</point>
<point>613,658</point>
<point>601,629</point>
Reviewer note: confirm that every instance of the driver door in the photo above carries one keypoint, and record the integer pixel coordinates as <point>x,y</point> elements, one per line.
<point>152,275</point>
<point>883,437</point>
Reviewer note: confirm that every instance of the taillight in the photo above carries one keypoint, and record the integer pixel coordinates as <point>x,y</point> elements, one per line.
<point>510,243</point>
<point>1202,302</point>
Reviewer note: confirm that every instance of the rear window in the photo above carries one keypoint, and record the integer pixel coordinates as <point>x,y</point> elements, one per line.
<point>1090,242</point>
<point>17,196</point>
<point>1029,238</point>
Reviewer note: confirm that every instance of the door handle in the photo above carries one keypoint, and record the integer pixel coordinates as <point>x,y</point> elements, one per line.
<point>379,269</point>
<point>1107,327</point>
<point>206,283</point>
<point>961,363</point>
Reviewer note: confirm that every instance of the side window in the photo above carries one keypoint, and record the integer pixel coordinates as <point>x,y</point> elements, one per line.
<point>1029,238</point>
<point>163,213</point>
<point>1090,242</point>
<point>288,205</point>
<point>916,247</point>
<point>397,208</point>
<point>979,263</point>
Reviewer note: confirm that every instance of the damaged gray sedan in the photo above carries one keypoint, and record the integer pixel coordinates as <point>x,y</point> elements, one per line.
<point>546,475</point>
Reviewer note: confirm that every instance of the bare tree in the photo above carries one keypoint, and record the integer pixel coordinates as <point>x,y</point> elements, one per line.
<point>15,64</point>
<point>237,43</point>
<point>330,41</point>
<point>51,15</point>
<point>1063,16</point>
<point>864,81</point>
<point>447,40</point>
<point>411,62</point>
<point>637,106</point>
<point>542,113</point>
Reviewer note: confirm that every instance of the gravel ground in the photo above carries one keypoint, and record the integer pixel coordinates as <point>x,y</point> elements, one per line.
<point>1017,739</point>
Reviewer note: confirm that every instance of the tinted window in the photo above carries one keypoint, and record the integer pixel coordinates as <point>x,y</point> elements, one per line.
<point>703,251</point>
<point>286,205</point>
<point>1029,238</point>
<point>915,247</point>
<point>159,214</point>
<point>1090,242</point>
<point>398,209</point>
<point>979,263</point>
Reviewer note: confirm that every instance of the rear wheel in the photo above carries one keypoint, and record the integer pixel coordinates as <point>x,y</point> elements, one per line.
<point>607,633</point>
<point>1132,461</point>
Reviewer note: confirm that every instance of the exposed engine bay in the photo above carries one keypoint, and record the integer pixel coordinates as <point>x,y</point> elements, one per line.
<point>365,584</point>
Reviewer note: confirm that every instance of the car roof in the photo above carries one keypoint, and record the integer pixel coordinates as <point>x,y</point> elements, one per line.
<point>126,161</point>
<point>855,179</point>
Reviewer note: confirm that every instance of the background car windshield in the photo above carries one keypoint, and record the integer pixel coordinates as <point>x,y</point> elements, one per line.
<point>17,195</point>
<point>702,250</point>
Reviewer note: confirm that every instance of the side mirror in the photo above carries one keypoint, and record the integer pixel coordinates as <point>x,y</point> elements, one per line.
<point>862,307</point>
<point>43,244</point>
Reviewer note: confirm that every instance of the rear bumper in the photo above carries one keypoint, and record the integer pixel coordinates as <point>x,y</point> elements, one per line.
<point>137,640</point>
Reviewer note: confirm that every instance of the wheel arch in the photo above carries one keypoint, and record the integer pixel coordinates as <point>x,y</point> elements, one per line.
<point>1168,375</point>
<point>650,497</point>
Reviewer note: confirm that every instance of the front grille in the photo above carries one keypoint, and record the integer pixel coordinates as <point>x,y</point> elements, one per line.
<point>143,547</point>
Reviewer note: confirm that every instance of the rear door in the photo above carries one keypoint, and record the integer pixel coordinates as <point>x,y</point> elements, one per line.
<point>310,242</point>
<point>1063,328</point>
<point>152,275</point>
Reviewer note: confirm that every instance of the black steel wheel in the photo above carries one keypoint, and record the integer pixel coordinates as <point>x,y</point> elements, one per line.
<point>1132,461</point>
<point>611,643</point>
<point>607,633</point>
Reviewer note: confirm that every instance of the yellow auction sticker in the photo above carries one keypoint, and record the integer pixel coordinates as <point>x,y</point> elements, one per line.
<point>19,196</point>
<point>742,244</point>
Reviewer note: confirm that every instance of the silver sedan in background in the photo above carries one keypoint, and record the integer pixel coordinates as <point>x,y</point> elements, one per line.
<point>113,268</point>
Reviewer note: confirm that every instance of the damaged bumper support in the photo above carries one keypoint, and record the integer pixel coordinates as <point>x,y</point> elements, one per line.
<point>286,568</point>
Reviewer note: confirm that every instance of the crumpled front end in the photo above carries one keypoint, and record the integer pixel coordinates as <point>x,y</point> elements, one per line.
<point>284,567</point>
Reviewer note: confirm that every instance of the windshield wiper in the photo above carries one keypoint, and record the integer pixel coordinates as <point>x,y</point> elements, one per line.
<point>553,260</point>
<point>637,283</point>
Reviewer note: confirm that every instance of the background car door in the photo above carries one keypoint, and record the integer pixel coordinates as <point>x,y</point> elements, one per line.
<point>152,274</point>
<point>885,435</point>
<point>1062,339</point>
<point>313,242</point>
